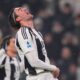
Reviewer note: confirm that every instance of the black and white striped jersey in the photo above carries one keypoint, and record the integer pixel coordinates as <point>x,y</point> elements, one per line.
<point>10,67</point>
<point>30,43</point>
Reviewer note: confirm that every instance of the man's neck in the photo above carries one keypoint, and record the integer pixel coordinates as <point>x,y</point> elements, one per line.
<point>11,54</point>
<point>28,24</point>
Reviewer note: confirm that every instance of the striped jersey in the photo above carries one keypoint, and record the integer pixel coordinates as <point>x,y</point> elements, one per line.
<point>10,67</point>
<point>28,40</point>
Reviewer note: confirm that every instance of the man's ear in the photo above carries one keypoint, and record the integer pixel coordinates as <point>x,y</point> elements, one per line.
<point>18,19</point>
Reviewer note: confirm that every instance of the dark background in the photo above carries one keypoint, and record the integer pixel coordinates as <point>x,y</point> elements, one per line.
<point>59,22</point>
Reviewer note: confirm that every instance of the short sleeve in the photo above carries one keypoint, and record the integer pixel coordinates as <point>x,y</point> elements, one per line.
<point>24,40</point>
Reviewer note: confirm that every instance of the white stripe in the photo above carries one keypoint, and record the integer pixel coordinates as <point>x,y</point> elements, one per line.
<point>2,55</point>
<point>7,69</point>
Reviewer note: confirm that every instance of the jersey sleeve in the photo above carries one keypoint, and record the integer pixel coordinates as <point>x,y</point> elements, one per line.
<point>24,40</point>
<point>2,57</point>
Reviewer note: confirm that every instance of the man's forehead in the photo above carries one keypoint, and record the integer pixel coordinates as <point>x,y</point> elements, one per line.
<point>17,8</point>
<point>21,8</point>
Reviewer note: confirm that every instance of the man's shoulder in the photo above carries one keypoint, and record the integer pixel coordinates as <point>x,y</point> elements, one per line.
<point>23,32</point>
<point>22,29</point>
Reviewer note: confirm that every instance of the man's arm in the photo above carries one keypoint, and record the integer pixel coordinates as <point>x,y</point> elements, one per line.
<point>37,63</point>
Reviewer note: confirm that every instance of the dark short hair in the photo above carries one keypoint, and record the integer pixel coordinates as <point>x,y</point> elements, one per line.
<point>12,19</point>
<point>6,41</point>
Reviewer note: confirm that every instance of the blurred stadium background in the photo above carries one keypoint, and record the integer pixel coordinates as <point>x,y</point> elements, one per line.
<point>59,22</point>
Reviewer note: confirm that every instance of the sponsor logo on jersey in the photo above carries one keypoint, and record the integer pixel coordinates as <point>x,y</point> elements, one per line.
<point>28,44</point>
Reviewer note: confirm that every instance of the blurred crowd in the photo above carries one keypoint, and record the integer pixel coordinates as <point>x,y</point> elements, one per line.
<point>59,22</point>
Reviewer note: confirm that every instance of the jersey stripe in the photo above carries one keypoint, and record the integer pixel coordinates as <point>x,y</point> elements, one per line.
<point>12,72</point>
<point>24,34</point>
<point>2,73</point>
<point>30,31</point>
<point>17,44</point>
<point>39,49</point>
<point>31,69</point>
<point>8,70</point>
<point>3,62</point>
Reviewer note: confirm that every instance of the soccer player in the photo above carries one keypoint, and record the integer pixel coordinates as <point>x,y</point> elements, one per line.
<point>10,63</point>
<point>29,43</point>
